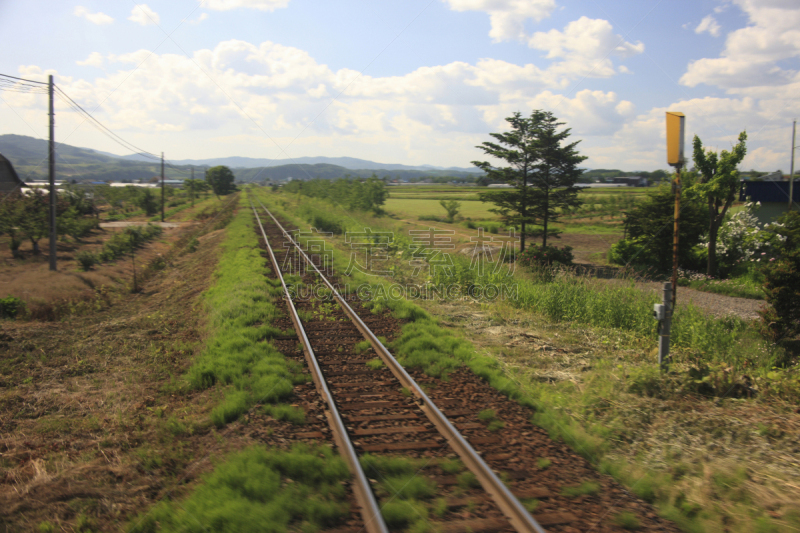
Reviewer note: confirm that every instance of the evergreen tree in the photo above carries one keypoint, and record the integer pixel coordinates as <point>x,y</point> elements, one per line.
<point>541,170</point>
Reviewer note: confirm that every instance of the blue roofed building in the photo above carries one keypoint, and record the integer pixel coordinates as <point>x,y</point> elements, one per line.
<point>773,195</point>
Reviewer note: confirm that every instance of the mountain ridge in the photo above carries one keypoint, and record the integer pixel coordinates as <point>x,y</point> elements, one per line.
<point>29,157</point>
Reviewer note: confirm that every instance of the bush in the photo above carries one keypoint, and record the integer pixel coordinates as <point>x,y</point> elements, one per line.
<point>10,306</point>
<point>536,255</point>
<point>782,287</point>
<point>86,260</point>
<point>650,226</point>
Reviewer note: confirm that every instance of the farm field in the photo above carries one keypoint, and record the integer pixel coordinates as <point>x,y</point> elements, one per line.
<point>590,232</point>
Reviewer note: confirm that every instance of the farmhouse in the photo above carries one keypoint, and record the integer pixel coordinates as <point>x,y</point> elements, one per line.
<point>9,180</point>
<point>630,181</point>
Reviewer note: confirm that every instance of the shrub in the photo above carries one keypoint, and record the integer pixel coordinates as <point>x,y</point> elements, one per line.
<point>10,306</point>
<point>86,260</point>
<point>649,226</point>
<point>782,287</point>
<point>536,255</point>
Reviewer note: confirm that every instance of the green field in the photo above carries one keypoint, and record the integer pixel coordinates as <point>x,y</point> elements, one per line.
<point>413,208</point>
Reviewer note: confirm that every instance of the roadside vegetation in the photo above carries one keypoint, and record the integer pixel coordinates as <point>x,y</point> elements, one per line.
<point>241,308</point>
<point>259,490</point>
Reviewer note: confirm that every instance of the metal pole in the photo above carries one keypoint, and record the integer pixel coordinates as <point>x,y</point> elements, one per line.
<point>676,234</point>
<point>162,186</point>
<point>52,173</point>
<point>791,171</point>
<point>666,326</point>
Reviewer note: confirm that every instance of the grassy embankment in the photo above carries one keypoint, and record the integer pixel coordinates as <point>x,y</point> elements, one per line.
<point>256,489</point>
<point>238,355</point>
<point>618,390</point>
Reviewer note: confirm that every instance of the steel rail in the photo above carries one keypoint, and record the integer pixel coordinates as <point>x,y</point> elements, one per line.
<point>370,510</point>
<point>519,517</point>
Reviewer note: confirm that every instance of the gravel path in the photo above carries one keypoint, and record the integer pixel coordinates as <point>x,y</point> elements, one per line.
<point>718,305</point>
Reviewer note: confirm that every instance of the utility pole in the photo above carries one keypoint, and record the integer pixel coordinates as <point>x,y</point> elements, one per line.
<point>191,187</point>
<point>162,186</point>
<point>791,170</point>
<point>52,173</point>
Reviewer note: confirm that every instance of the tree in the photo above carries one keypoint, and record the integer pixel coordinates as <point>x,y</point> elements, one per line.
<point>220,179</point>
<point>193,187</point>
<point>146,201</point>
<point>34,217</point>
<point>717,186</point>
<point>452,207</point>
<point>541,170</point>
<point>649,227</point>
<point>10,215</point>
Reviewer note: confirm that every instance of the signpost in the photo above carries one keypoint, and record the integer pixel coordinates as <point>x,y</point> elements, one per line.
<point>663,312</point>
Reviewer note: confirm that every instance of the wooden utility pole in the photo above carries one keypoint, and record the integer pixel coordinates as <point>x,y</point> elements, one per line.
<point>791,170</point>
<point>52,173</point>
<point>162,186</point>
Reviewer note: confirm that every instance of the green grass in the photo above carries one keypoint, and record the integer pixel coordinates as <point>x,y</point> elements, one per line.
<point>251,492</point>
<point>627,520</point>
<point>404,491</point>
<point>585,488</point>
<point>739,288</point>
<point>241,308</point>
<point>288,413</point>
<point>375,364</point>
<point>487,415</point>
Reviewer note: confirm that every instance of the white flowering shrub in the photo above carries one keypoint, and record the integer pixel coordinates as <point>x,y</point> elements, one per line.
<point>742,239</point>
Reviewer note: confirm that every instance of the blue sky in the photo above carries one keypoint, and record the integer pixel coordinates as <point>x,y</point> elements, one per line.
<point>413,81</point>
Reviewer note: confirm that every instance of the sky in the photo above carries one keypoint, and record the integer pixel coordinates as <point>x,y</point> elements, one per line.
<point>410,81</point>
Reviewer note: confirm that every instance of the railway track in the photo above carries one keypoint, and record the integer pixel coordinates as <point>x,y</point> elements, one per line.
<point>383,410</point>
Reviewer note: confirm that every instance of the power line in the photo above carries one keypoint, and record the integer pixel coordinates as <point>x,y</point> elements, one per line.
<point>24,80</point>
<point>113,136</point>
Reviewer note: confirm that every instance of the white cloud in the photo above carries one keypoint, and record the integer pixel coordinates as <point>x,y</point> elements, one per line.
<point>95,18</point>
<point>95,59</point>
<point>142,14</point>
<point>261,5</point>
<point>507,17</point>
<point>752,56</point>
<point>584,46</point>
<point>198,20</point>
<point>434,114</point>
<point>708,24</point>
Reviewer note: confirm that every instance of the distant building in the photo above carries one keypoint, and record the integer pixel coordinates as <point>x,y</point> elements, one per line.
<point>9,180</point>
<point>773,195</point>
<point>630,181</point>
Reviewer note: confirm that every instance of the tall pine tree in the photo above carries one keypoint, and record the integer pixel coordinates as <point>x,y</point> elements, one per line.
<point>541,170</point>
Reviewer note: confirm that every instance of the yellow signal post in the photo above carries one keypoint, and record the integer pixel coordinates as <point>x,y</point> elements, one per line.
<point>675,141</point>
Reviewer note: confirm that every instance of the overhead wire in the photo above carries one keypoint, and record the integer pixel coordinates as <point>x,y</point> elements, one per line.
<point>113,136</point>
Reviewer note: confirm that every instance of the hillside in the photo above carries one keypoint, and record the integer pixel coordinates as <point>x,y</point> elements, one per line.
<point>29,157</point>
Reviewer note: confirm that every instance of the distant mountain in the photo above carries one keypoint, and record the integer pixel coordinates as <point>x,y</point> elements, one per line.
<point>351,163</point>
<point>29,157</point>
